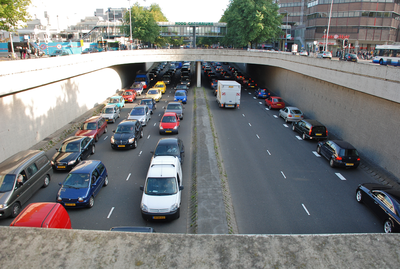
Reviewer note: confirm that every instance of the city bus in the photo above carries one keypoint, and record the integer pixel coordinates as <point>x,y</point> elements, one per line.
<point>387,55</point>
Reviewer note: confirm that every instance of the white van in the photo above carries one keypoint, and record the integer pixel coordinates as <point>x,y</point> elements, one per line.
<point>161,199</point>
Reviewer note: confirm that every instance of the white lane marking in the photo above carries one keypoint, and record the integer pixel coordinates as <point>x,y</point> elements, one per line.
<point>285,125</point>
<point>298,137</point>
<point>250,93</point>
<point>249,124</point>
<point>308,213</point>
<point>243,115</point>
<point>257,136</point>
<point>260,103</point>
<point>128,177</point>
<point>316,154</point>
<point>283,174</point>
<point>339,175</point>
<point>109,214</point>
<point>266,108</point>
<point>269,152</point>
<point>275,116</point>
<point>105,138</point>
<point>140,153</point>
<point>254,97</point>
<point>159,114</point>
<point>148,137</point>
<point>155,124</point>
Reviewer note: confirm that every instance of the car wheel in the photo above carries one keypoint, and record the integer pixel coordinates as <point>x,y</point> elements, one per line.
<point>332,163</point>
<point>96,138</point>
<point>46,181</point>
<point>293,128</point>
<point>269,107</point>
<point>91,202</point>
<point>135,144</point>
<point>119,115</point>
<point>381,62</point>
<point>141,134</point>
<point>388,226</point>
<point>359,196</point>
<point>106,181</point>
<point>319,150</point>
<point>178,214</point>
<point>286,120</point>
<point>93,149</point>
<point>105,130</point>
<point>16,208</point>
<point>304,137</point>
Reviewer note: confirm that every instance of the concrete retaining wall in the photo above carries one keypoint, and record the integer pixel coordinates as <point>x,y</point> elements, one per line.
<point>369,123</point>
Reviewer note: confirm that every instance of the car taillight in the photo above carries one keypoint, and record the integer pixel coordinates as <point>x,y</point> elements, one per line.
<point>256,84</point>
<point>358,159</point>
<point>338,158</point>
<point>326,132</point>
<point>289,116</point>
<point>309,133</point>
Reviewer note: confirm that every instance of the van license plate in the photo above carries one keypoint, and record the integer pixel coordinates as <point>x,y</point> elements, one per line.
<point>158,217</point>
<point>121,146</point>
<point>69,204</point>
<point>318,134</point>
<point>61,167</point>
<point>229,105</point>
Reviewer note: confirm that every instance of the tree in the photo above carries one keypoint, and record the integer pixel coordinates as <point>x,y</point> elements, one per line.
<point>144,26</point>
<point>12,12</point>
<point>251,21</point>
<point>157,13</point>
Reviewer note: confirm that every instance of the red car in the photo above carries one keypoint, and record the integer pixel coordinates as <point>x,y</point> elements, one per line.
<point>93,127</point>
<point>129,95</point>
<point>274,102</point>
<point>169,123</point>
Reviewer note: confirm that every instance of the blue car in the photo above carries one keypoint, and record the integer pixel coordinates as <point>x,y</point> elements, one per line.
<point>181,96</point>
<point>119,101</point>
<point>82,184</point>
<point>262,93</point>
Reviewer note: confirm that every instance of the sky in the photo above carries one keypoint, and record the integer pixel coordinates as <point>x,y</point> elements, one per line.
<point>71,11</point>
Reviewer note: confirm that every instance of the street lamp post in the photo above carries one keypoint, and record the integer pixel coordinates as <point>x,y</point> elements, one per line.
<point>130,25</point>
<point>287,15</point>
<point>329,24</point>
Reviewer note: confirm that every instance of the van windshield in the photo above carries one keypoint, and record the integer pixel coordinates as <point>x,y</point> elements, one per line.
<point>7,182</point>
<point>161,186</point>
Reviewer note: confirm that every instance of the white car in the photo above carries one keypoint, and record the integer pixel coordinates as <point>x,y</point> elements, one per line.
<point>303,53</point>
<point>324,55</point>
<point>161,198</point>
<point>291,113</point>
<point>111,113</point>
<point>141,113</point>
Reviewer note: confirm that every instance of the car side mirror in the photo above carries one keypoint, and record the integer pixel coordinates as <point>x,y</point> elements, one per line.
<point>180,188</point>
<point>141,188</point>
<point>60,184</point>
<point>152,152</point>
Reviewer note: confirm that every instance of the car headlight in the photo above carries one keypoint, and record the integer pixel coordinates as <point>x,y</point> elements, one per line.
<point>112,140</point>
<point>175,99</point>
<point>59,199</point>
<point>80,199</point>
<point>144,207</point>
<point>176,127</point>
<point>71,162</point>
<point>174,207</point>
<point>3,206</point>
<point>130,141</point>
<point>161,128</point>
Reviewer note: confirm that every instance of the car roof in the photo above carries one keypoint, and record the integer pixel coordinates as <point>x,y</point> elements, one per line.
<point>385,188</point>
<point>93,119</point>
<point>115,97</point>
<point>127,122</point>
<point>343,144</point>
<point>86,166</point>
<point>292,107</point>
<point>168,141</point>
<point>13,164</point>
<point>110,105</point>
<point>74,139</point>
<point>313,122</point>
<point>175,103</point>
<point>181,91</point>
<point>169,114</point>
<point>140,106</point>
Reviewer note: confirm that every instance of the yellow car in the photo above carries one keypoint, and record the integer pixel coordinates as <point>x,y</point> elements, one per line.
<point>161,86</point>
<point>154,93</point>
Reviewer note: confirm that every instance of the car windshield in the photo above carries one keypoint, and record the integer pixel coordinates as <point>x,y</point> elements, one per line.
<point>7,182</point>
<point>141,79</point>
<point>181,87</point>
<point>114,100</point>
<point>180,94</point>
<point>277,100</point>
<point>159,86</point>
<point>296,111</point>
<point>161,186</point>
<point>153,92</point>
<point>169,119</point>
<point>348,152</point>
<point>125,129</point>
<point>136,85</point>
<point>146,102</point>
<point>137,111</point>
<point>108,110</point>
<point>174,106</point>
<point>128,93</point>
<point>263,91</point>
<point>70,147</point>
<point>167,150</point>
<point>88,126</point>
<point>77,181</point>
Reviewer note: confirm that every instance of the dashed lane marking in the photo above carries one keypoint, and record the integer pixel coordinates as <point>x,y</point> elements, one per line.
<point>308,213</point>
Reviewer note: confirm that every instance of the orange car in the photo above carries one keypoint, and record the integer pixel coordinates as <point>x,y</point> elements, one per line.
<point>129,95</point>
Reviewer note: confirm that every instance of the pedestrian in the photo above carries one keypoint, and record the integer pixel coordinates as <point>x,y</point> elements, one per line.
<point>24,52</point>
<point>20,51</point>
<point>28,52</point>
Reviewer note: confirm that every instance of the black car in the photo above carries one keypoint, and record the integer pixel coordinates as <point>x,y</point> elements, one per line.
<point>339,153</point>
<point>167,79</point>
<point>310,129</point>
<point>170,147</point>
<point>73,150</point>
<point>181,87</point>
<point>384,201</point>
<point>150,102</point>
<point>350,57</point>
<point>127,134</point>
<point>186,80</point>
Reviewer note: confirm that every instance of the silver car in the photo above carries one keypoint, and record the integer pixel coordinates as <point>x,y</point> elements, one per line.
<point>291,113</point>
<point>176,107</point>
<point>111,113</point>
<point>325,55</point>
<point>142,113</point>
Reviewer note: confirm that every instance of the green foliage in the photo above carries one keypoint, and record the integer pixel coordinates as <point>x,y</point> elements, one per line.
<point>251,21</point>
<point>157,13</point>
<point>12,12</point>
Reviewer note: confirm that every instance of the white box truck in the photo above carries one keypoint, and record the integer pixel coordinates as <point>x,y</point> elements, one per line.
<point>228,93</point>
